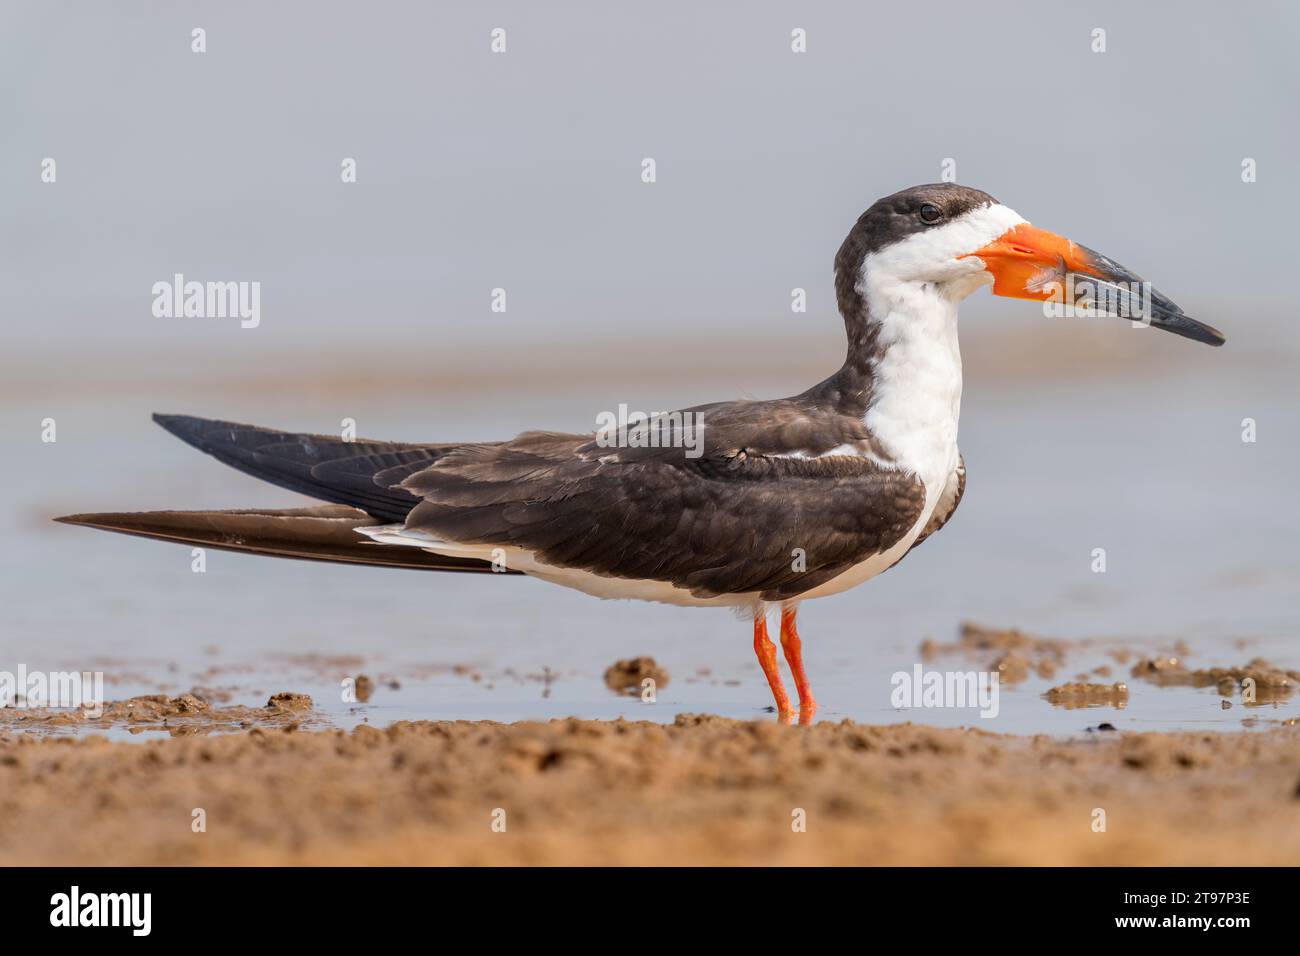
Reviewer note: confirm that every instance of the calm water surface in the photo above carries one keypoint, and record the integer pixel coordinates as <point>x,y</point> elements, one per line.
<point>1199,549</point>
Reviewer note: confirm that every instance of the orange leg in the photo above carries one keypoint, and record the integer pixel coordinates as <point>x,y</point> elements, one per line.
<point>793,648</point>
<point>766,652</point>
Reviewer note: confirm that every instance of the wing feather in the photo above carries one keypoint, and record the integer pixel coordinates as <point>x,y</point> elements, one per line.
<point>720,524</point>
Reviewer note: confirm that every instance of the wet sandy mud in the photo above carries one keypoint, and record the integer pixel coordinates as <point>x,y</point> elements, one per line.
<point>704,790</point>
<point>1257,681</point>
<point>196,712</point>
<point>200,779</point>
<point>1012,653</point>
<point>1084,694</point>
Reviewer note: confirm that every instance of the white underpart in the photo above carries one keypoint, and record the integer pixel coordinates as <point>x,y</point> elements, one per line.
<point>518,559</point>
<point>912,289</point>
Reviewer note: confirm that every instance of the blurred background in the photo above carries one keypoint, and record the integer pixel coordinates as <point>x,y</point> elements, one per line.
<point>522,170</point>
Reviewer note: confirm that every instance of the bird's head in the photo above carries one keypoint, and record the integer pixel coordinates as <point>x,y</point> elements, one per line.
<point>948,240</point>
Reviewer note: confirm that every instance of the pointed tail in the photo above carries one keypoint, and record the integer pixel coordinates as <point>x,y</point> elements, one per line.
<point>324,533</point>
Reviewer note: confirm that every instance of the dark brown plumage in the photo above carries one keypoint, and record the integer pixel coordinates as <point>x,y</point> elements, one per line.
<point>728,522</point>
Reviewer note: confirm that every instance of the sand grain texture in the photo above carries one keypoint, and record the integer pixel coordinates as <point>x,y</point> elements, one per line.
<point>704,791</point>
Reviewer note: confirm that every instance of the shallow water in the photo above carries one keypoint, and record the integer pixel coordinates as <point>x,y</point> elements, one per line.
<point>1197,551</point>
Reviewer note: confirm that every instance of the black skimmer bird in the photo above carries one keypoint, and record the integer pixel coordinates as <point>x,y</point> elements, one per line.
<point>773,503</point>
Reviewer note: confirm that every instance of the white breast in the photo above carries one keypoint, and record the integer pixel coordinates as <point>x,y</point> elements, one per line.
<point>916,402</point>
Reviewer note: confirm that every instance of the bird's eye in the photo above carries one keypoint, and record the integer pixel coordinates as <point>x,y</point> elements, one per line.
<point>931,213</point>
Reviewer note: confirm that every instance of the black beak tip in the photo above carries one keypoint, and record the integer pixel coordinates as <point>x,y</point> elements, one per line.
<point>1188,328</point>
<point>1210,335</point>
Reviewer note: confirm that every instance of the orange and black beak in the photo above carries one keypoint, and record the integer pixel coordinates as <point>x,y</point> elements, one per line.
<point>1032,263</point>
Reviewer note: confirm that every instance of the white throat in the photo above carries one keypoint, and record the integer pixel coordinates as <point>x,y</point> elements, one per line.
<point>912,289</point>
<point>916,398</point>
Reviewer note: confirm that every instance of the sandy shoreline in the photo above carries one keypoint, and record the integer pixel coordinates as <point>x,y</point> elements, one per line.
<point>703,791</point>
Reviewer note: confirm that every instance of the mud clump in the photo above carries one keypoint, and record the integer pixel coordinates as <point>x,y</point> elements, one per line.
<point>192,713</point>
<point>626,677</point>
<point>156,707</point>
<point>1014,654</point>
<point>286,701</point>
<point>1075,695</point>
<point>1012,668</point>
<point>364,687</point>
<point>1259,681</point>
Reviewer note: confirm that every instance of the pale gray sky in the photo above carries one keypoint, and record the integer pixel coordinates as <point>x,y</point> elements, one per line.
<point>522,170</point>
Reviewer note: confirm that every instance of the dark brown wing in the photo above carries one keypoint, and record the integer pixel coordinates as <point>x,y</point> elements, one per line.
<point>325,467</point>
<point>718,524</point>
<point>757,506</point>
